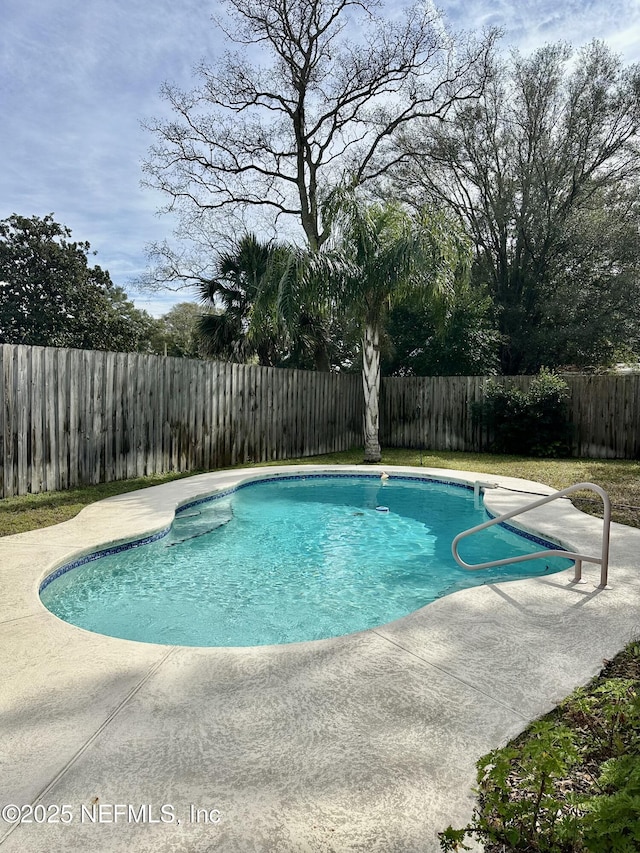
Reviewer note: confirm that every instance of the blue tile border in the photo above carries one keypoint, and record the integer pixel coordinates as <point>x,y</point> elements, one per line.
<point>537,540</point>
<point>104,552</point>
<point>328,475</point>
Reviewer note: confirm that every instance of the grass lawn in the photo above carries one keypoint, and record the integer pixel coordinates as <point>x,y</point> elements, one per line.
<point>29,512</point>
<point>620,477</point>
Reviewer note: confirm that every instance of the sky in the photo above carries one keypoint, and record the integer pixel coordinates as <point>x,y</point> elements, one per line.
<point>78,78</point>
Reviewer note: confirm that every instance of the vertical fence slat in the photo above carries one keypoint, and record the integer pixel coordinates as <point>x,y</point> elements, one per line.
<point>271,407</point>
<point>85,391</point>
<point>70,417</point>
<point>164,397</point>
<point>244,412</point>
<point>21,401</point>
<point>109,423</point>
<point>62,383</point>
<point>142,414</point>
<point>200,408</point>
<point>185,414</point>
<point>150,368</point>
<point>207,416</point>
<point>98,419</point>
<point>121,424</point>
<point>174,401</point>
<point>234,405</point>
<point>254,404</point>
<point>38,477</point>
<point>216,415</point>
<point>130,415</point>
<point>261,413</point>
<point>281,413</point>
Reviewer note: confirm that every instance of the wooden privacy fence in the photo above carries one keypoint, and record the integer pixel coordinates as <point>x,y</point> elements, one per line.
<point>436,413</point>
<point>71,417</point>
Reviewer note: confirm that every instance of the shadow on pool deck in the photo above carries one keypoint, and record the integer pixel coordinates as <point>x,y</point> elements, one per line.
<point>361,743</point>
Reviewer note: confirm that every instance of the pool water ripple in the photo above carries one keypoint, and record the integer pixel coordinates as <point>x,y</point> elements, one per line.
<point>286,561</point>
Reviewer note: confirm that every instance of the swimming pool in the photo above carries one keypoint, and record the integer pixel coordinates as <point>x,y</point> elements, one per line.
<point>288,559</point>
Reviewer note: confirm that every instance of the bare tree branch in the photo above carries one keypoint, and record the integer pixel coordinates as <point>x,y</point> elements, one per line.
<point>522,164</point>
<point>336,84</point>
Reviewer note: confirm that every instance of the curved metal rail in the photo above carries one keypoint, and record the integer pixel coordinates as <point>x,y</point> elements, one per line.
<point>603,560</point>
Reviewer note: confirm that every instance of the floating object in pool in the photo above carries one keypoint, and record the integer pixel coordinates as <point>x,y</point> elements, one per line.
<point>382,509</point>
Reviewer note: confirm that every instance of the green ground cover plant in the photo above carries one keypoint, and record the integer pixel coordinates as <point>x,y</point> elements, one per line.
<point>620,477</point>
<point>571,782</point>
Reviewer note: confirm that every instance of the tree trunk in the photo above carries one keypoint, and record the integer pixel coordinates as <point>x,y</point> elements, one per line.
<point>321,358</point>
<point>371,386</point>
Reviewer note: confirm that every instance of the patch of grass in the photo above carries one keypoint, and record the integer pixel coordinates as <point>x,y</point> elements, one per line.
<point>30,512</point>
<point>570,783</point>
<point>621,478</point>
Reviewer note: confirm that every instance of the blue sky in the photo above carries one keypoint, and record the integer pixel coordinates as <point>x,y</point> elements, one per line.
<point>78,76</point>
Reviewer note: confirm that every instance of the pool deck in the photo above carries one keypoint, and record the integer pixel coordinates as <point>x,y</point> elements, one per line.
<point>362,743</point>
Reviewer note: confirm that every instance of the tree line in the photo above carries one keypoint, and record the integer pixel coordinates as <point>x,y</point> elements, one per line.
<point>423,203</point>
<point>50,295</point>
<point>535,158</point>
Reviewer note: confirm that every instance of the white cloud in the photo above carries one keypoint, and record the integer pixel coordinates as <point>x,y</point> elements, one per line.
<point>77,78</point>
<point>528,25</point>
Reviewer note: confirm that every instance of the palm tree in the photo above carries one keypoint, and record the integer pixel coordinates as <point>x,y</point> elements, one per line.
<point>248,323</point>
<point>379,253</point>
<point>239,279</point>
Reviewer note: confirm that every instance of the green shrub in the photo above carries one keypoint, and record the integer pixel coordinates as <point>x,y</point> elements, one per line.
<point>520,806</point>
<point>611,823</point>
<point>608,718</point>
<point>571,782</point>
<point>531,423</point>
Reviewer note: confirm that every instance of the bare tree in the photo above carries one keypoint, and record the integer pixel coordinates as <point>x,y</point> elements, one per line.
<point>552,145</point>
<point>337,82</point>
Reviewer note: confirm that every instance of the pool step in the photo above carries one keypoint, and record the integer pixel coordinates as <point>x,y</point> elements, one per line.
<point>207,522</point>
<point>197,535</point>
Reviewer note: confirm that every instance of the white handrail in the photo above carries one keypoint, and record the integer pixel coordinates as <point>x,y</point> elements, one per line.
<point>579,558</point>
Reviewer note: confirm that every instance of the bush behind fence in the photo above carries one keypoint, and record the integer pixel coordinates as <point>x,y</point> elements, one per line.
<point>73,417</point>
<point>434,412</point>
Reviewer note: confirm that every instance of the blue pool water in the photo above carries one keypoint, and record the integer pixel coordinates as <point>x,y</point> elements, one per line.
<point>280,562</point>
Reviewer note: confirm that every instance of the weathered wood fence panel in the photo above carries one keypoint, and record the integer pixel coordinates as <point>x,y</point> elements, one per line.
<point>605,412</point>
<point>71,417</point>
<point>435,413</point>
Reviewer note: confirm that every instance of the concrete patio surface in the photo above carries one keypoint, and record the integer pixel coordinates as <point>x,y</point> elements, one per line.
<point>364,743</point>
